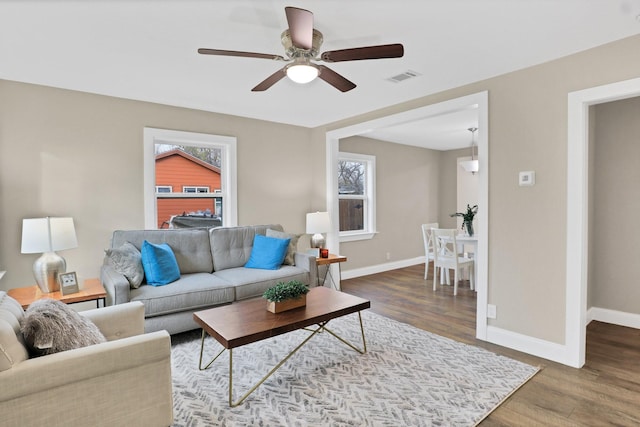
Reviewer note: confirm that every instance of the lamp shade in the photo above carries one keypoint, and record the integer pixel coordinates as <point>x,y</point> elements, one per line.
<point>470,165</point>
<point>318,222</point>
<point>473,164</point>
<point>47,235</point>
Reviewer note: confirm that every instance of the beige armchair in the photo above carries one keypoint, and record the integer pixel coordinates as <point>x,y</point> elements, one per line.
<point>124,381</point>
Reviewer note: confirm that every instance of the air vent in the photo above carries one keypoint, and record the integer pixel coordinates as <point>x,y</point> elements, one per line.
<point>409,74</point>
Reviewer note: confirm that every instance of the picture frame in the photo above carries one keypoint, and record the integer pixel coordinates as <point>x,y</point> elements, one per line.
<point>68,283</point>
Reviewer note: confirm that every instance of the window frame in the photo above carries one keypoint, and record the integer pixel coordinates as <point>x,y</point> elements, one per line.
<point>369,200</point>
<point>228,177</point>
<point>196,189</point>
<point>169,187</point>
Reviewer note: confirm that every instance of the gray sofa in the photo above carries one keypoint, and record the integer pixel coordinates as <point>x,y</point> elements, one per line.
<point>212,273</point>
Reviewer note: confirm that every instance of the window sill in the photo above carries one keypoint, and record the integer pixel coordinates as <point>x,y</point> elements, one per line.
<point>354,236</point>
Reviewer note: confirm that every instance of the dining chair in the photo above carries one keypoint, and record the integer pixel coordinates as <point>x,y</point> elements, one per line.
<point>446,257</point>
<point>428,247</point>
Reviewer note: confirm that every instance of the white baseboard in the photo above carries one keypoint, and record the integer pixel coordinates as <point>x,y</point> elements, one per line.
<point>615,317</point>
<point>554,351</point>
<point>526,344</point>
<point>379,268</point>
<point>513,340</point>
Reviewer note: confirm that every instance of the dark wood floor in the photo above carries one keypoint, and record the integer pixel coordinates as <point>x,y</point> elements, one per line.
<point>606,391</point>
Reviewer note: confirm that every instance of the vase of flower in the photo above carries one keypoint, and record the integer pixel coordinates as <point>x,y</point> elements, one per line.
<point>467,218</point>
<point>468,226</point>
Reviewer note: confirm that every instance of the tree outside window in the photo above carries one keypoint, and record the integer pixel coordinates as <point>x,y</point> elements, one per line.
<point>351,185</point>
<point>356,179</point>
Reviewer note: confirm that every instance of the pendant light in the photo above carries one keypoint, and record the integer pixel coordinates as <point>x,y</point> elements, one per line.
<point>471,165</point>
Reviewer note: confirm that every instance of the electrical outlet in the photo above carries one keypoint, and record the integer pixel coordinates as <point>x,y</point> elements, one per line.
<point>491,311</point>
<point>388,256</point>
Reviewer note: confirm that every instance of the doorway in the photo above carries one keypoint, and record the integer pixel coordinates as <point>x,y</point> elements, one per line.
<point>577,255</point>
<point>478,100</point>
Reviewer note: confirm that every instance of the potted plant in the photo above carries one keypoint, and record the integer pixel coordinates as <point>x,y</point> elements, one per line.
<point>286,296</point>
<point>467,218</point>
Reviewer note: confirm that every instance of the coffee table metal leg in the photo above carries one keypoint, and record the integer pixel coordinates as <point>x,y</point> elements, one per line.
<point>364,342</point>
<point>321,327</point>
<point>204,334</point>
<point>259,383</point>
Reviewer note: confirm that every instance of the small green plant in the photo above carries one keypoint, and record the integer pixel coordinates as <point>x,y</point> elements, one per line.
<point>469,214</point>
<point>467,218</point>
<point>284,291</point>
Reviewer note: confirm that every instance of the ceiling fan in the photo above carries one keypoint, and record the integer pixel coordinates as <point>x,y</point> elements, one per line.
<point>302,43</point>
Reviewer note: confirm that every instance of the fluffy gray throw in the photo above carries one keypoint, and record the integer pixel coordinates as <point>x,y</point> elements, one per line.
<point>50,326</point>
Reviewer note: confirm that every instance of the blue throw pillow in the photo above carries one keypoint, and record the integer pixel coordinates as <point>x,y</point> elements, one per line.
<point>267,252</point>
<point>159,264</point>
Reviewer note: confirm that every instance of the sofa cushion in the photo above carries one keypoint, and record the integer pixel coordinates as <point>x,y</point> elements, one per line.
<point>127,261</point>
<point>190,246</point>
<point>191,291</point>
<point>12,347</point>
<point>289,258</point>
<point>267,252</point>
<point>159,263</point>
<point>231,246</point>
<point>50,326</point>
<point>251,282</point>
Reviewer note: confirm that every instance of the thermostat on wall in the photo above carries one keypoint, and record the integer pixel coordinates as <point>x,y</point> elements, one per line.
<point>527,178</point>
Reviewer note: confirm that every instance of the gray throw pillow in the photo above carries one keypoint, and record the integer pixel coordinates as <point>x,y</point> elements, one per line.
<point>289,258</point>
<point>50,326</point>
<point>127,261</point>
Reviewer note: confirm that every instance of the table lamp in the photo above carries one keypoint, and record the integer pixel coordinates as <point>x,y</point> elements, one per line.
<point>318,223</point>
<point>48,235</point>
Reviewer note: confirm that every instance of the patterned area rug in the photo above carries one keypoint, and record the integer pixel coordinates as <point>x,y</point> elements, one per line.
<point>408,377</point>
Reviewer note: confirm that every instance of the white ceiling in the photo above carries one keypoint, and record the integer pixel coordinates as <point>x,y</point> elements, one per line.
<point>441,132</point>
<point>146,49</point>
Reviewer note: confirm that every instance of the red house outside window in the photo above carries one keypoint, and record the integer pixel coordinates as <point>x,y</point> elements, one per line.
<point>181,182</point>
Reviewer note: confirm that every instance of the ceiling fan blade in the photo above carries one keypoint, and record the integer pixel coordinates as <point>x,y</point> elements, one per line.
<point>270,81</point>
<point>335,79</point>
<point>300,27</point>
<point>205,51</point>
<point>368,52</point>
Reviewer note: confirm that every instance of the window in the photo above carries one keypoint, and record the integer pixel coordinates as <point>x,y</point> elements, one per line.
<point>356,196</point>
<point>203,166</point>
<point>195,189</point>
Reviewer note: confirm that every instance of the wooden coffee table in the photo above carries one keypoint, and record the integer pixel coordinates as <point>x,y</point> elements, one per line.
<point>246,322</point>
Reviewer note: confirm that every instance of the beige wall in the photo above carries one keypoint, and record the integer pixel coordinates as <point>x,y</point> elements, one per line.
<point>414,186</point>
<point>616,202</point>
<point>69,153</point>
<point>448,201</point>
<point>65,153</point>
<point>407,189</point>
<point>528,131</point>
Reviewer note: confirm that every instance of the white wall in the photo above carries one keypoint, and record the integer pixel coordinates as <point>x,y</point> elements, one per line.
<point>468,187</point>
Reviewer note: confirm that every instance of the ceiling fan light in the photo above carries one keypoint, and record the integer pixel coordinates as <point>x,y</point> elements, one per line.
<point>302,73</point>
